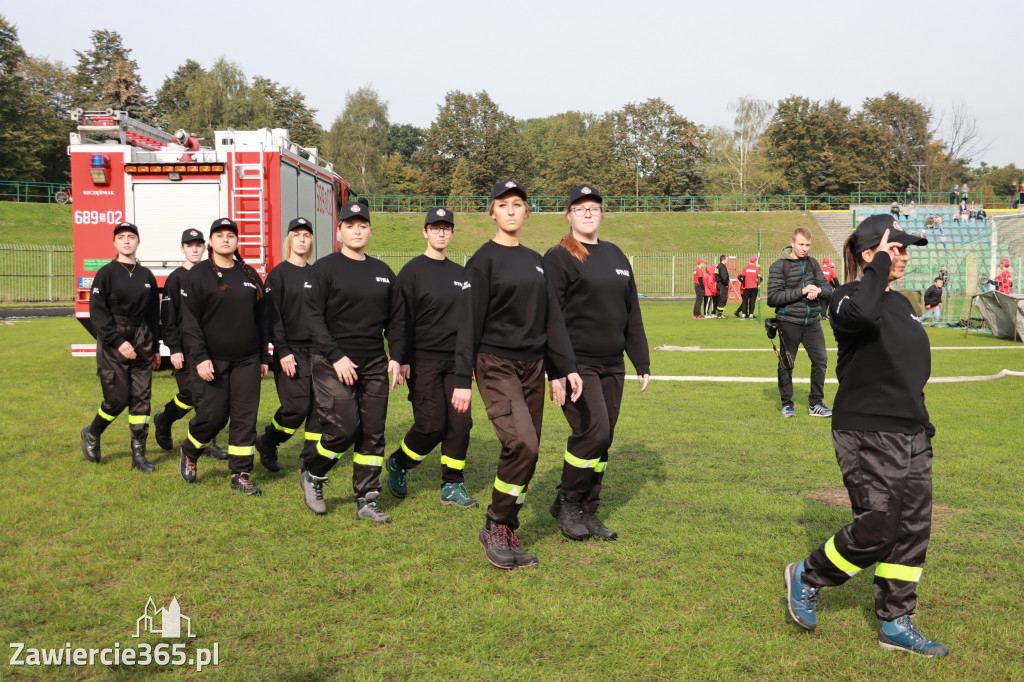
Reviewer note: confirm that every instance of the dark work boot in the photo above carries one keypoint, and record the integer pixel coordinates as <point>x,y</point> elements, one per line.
<point>91,439</point>
<point>570,519</point>
<point>596,528</point>
<point>216,451</point>
<point>266,445</point>
<point>139,460</point>
<point>162,430</point>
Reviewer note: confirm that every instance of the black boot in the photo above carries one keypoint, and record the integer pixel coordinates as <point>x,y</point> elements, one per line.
<point>162,430</point>
<point>139,460</point>
<point>570,519</point>
<point>266,445</point>
<point>91,439</point>
<point>216,451</point>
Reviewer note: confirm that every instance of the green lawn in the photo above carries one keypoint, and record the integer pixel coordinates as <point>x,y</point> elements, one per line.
<point>24,223</point>
<point>708,488</point>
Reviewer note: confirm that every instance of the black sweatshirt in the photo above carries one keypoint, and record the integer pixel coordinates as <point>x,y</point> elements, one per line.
<point>351,304</point>
<point>432,291</point>
<point>170,310</point>
<point>115,292</point>
<point>884,356</point>
<point>933,296</point>
<point>223,325</point>
<point>513,313</point>
<point>286,289</point>
<point>600,304</point>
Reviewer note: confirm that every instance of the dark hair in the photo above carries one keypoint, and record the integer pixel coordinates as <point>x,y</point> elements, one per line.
<point>854,262</point>
<point>722,258</point>
<point>248,271</point>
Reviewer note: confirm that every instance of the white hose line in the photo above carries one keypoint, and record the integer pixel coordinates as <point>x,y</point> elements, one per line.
<point>772,380</point>
<point>698,349</point>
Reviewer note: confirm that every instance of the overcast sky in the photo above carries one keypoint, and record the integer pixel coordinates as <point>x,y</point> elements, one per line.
<point>539,58</point>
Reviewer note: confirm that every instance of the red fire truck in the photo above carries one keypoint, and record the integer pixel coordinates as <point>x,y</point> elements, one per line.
<point>124,169</point>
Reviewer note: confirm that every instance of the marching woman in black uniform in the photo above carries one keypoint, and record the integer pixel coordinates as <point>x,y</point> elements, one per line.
<point>594,284</point>
<point>193,244</point>
<point>224,332</point>
<point>513,322</point>
<point>432,288</point>
<point>882,437</point>
<point>354,298</point>
<point>124,309</point>
<point>286,288</point>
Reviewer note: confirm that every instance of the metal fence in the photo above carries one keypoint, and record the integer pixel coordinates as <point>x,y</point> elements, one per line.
<point>33,192</point>
<point>395,203</point>
<point>31,273</point>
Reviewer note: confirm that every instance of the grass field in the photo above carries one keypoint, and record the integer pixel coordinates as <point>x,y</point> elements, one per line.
<point>709,489</point>
<point>633,232</point>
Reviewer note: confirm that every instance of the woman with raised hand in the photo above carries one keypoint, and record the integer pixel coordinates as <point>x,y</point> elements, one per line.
<point>432,289</point>
<point>512,324</point>
<point>286,288</point>
<point>225,337</point>
<point>595,288</point>
<point>354,299</point>
<point>124,309</point>
<point>882,437</point>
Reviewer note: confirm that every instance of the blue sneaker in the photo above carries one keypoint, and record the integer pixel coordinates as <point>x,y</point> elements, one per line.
<point>901,635</point>
<point>801,598</point>
<point>788,411</point>
<point>396,478</point>
<point>819,410</point>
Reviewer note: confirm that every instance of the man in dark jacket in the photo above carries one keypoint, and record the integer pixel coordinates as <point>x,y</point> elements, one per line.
<point>722,278</point>
<point>799,292</point>
<point>933,303</point>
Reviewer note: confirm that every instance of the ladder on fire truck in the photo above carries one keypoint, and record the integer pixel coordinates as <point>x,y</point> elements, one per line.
<point>248,188</point>
<point>127,130</point>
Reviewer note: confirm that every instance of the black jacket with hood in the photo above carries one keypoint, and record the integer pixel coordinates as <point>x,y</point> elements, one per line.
<point>785,291</point>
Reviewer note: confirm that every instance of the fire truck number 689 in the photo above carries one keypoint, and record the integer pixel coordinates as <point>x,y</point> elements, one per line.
<point>98,217</point>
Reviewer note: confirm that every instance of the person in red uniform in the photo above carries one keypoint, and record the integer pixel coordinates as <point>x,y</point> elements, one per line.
<point>833,280</point>
<point>698,290</point>
<point>750,280</point>
<point>1004,280</point>
<point>710,291</point>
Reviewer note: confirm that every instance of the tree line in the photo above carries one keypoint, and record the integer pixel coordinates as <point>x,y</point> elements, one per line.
<point>796,145</point>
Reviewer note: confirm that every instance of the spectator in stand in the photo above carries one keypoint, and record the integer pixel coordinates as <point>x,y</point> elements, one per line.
<point>954,195</point>
<point>895,210</point>
<point>698,290</point>
<point>1011,198</point>
<point>929,222</point>
<point>965,194</point>
<point>982,216</point>
<point>1003,282</point>
<point>912,211</point>
<point>1020,199</point>
<point>910,194</point>
<point>972,211</point>
<point>933,303</point>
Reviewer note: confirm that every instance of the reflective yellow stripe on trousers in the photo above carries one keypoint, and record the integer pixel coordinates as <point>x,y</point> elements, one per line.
<point>510,489</point>
<point>910,574</point>
<point>582,463</point>
<point>416,457</point>
<point>368,460</point>
<point>457,464</point>
<point>836,558</point>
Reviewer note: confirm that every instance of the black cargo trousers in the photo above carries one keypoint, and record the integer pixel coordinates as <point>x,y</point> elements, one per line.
<point>592,419</point>
<point>747,302</point>
<point>435,420</point>
<point>126,383</point>
<point>513,393</point>
<point>889,479</point>
<point>187,396</point>
<point>233,394</point>
<point>698,299</point>
<point>351,416</point>
<point>297,406</point>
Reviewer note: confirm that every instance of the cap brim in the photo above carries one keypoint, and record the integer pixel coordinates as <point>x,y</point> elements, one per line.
<point>907,239</point>
<point>510,190</point>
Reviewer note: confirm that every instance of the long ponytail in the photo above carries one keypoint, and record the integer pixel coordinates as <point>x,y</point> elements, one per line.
<point>573,246</point>
<point>852,262</point>
<point>248,271</point>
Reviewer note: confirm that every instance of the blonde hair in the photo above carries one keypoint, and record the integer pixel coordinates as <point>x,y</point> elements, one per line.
<point>288,245</point>
<point>490,209</point>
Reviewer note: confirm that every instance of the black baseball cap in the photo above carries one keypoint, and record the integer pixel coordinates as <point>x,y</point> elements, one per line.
<point>300,223</point>
<point>506,187</point>
<point>439,215</point>
<point>584,192</point>
<point>354,209</point>
<point>192,235</point>
<point>221,224</point>
<point>126,227</point>
<point>869,233</point>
